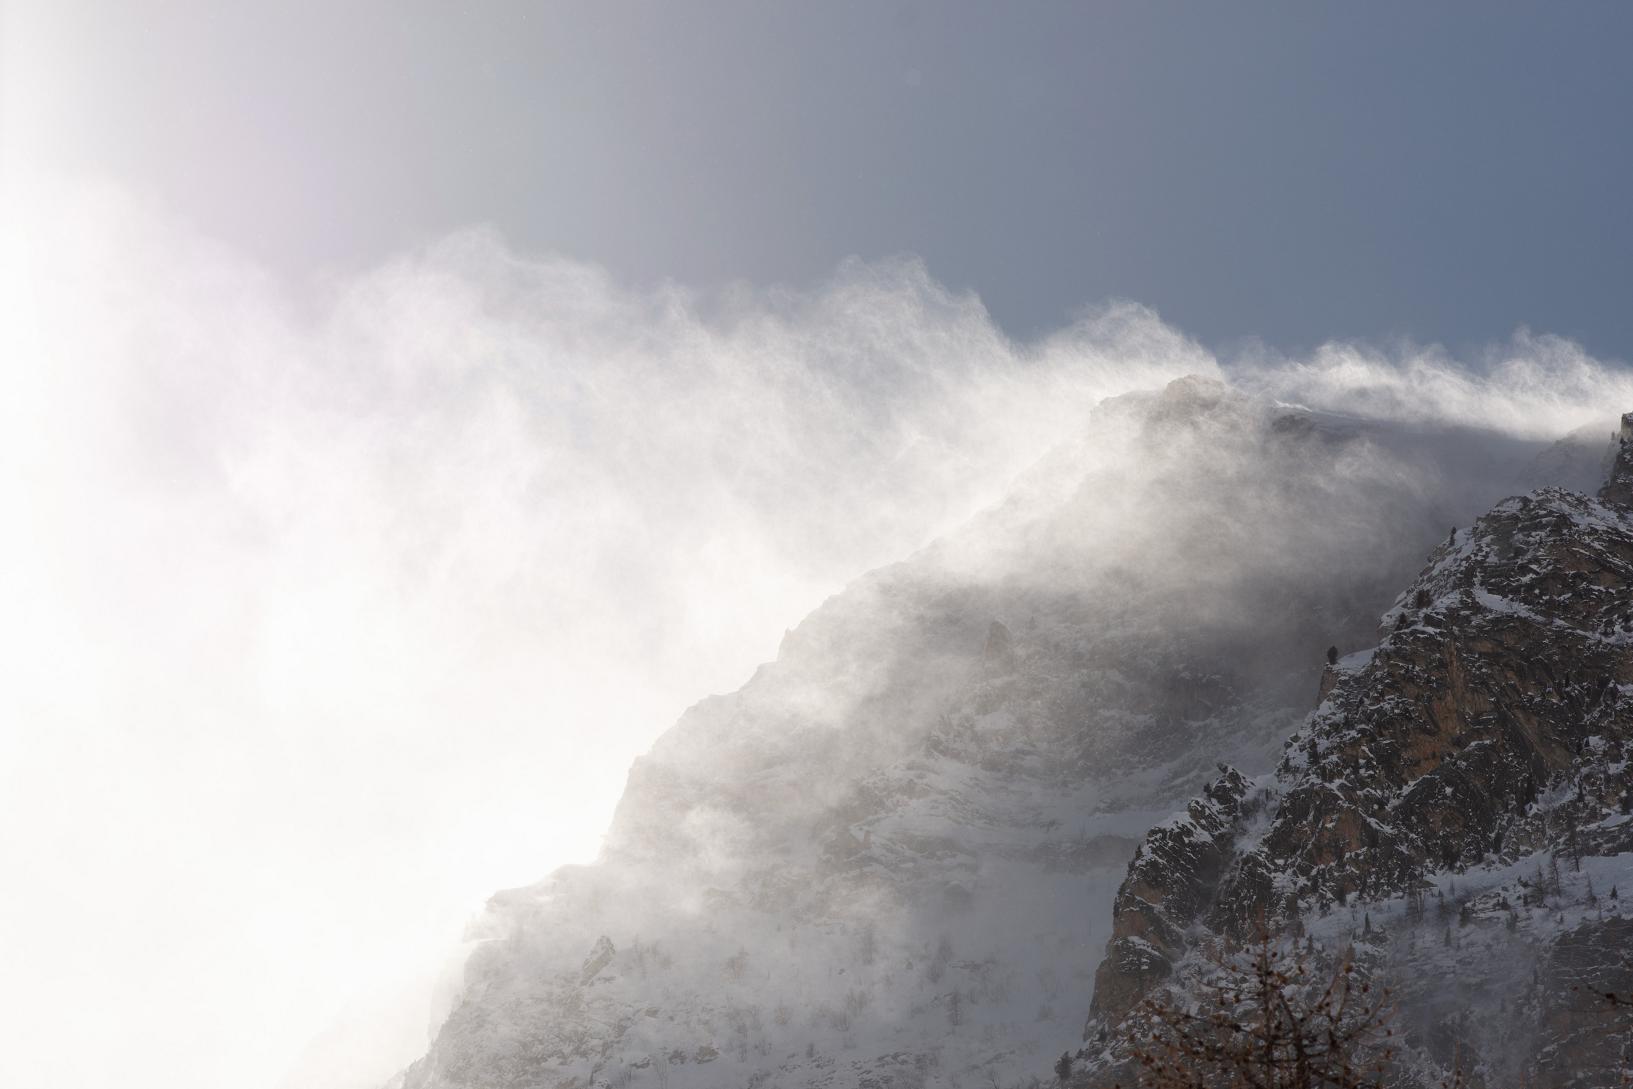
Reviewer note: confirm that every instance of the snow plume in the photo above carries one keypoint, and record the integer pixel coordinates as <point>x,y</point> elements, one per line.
<point>1534,387</point>
<point>330,608</point>
<point>329,611</point>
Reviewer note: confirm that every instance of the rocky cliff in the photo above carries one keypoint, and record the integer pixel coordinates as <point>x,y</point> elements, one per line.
<point>890,859</point>
<point>1456,810</point>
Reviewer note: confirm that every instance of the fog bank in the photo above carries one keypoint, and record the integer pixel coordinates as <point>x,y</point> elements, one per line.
<point>331,607</point>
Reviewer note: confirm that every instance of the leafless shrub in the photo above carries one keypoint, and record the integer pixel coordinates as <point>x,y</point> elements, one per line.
<point>1268,1019</point>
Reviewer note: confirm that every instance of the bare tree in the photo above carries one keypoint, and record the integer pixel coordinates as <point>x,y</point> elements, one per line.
<point>737,964</point>
<point>1268,1019</point>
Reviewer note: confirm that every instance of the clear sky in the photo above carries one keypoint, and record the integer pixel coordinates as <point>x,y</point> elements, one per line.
<point>1292,172</point>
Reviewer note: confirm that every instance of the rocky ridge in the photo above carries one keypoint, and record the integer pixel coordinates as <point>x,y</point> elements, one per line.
<point>1477,759</point>
<point>890,859</point>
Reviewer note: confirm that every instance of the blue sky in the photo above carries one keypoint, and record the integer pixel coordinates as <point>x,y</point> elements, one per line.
<point>1292,172</point>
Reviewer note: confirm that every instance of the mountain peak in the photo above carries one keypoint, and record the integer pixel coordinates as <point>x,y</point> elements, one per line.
<point>1483,740</point>
<point>895,856</point>
<point>1619,488</point>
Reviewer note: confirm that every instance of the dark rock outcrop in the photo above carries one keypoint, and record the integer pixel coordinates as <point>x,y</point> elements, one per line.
<point>1490,732</point>
<point>1619,488</point>
<point>1171,882</point>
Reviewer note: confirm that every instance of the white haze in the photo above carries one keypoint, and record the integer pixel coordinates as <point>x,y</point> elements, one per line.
<point>332,607</point>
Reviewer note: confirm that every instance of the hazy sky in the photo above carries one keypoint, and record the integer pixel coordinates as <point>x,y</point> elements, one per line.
<point>353,553</point>
<point>1294,172</point>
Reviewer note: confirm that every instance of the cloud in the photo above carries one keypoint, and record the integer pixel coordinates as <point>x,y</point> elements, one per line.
<point>332,606</point>
<point>1535,386</point>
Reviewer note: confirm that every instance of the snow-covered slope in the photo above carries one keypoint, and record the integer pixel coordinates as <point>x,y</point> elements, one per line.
<point>890,858</point>
<point>1457,809</point>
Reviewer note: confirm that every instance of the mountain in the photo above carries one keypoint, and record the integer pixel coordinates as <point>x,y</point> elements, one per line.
<point>891,858</point>
<point>1457,814</point>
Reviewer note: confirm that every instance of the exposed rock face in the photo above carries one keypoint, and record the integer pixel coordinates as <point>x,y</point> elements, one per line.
<point>1479,749</point>
<point>1619,488</point>
<point>890,858</point>
<point>1171,881</point>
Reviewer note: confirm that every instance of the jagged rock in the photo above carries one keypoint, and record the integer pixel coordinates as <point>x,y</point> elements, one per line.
<point>1170,882</point>
<point>891,857</point>
<point>1619,487</point>
<point>599,958</point>
<point>1488,729</point>
<point>999,652</point>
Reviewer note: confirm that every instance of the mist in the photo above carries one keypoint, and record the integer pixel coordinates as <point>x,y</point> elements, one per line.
<point>333,606</point>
